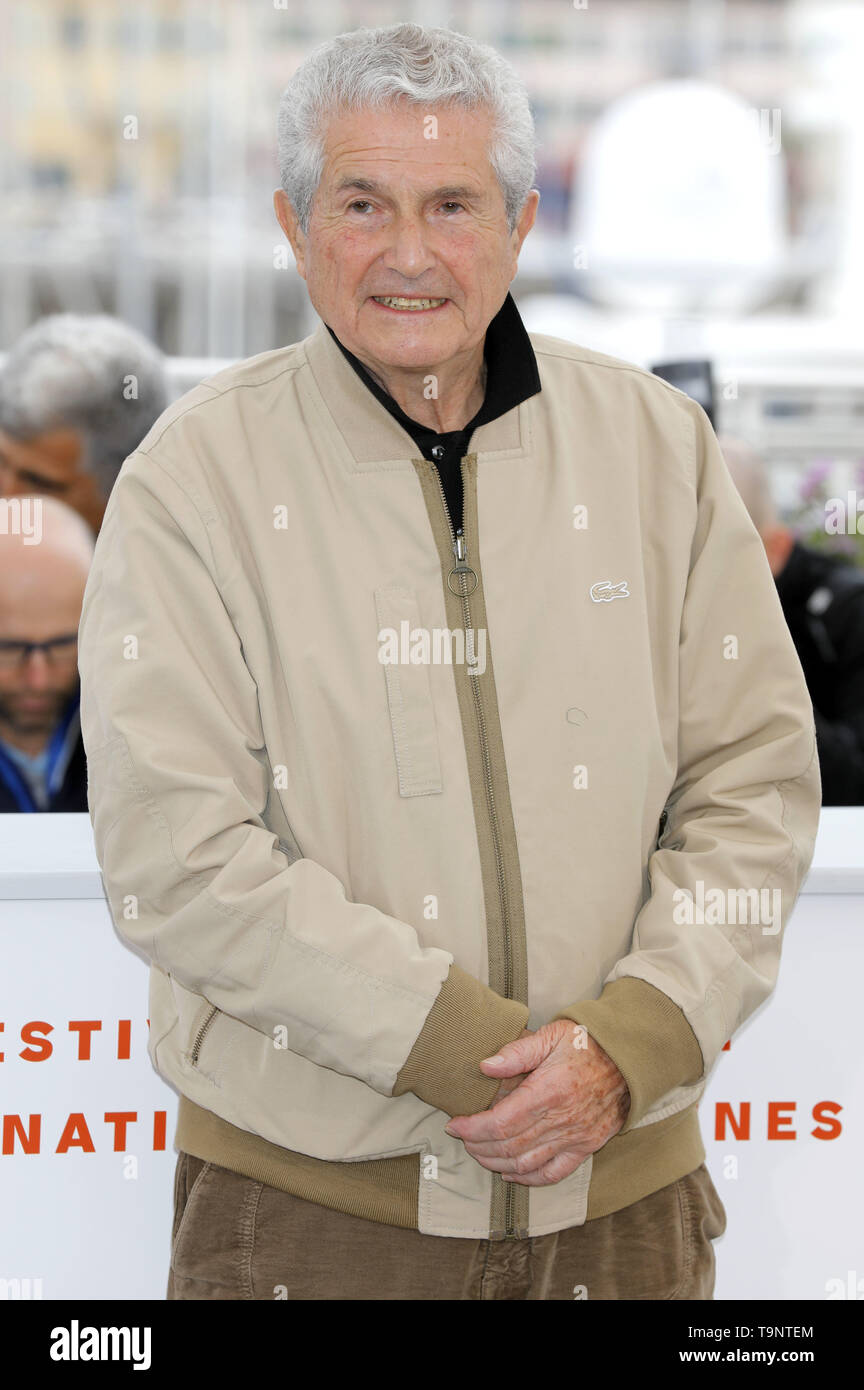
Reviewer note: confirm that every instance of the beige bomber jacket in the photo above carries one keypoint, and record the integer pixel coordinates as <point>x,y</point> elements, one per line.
<point>355,876</point>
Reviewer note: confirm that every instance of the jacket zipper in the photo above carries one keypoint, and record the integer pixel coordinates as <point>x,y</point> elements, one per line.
<point>463,569</point>
<point>196,1046</point>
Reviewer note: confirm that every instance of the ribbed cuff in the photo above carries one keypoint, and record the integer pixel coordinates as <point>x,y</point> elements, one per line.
<point>646,1035</point>
<point>467,1023</point>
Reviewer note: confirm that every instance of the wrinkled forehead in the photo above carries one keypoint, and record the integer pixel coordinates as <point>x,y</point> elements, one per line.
<point>404,134</point>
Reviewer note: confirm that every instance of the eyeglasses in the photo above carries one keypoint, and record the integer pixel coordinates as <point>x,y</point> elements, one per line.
<point>59,651</point>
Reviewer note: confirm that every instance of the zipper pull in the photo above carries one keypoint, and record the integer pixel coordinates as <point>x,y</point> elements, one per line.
<point>460,550</point>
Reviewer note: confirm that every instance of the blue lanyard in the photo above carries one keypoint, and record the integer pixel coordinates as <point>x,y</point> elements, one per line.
<point>55,768</point>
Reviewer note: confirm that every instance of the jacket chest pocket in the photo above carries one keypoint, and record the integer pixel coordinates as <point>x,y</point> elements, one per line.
<point>409,694</point>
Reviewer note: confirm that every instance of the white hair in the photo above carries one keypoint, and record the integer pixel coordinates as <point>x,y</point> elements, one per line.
<point>76,371</point>
<point>429,67</point>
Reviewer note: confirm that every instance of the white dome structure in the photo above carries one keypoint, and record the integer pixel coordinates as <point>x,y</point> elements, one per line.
<point>680,201</point>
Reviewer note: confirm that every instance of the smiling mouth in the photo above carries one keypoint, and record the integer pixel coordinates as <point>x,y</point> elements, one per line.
<point>411,306</point>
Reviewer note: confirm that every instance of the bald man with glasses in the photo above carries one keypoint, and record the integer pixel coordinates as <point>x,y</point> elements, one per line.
<point>42,578</point>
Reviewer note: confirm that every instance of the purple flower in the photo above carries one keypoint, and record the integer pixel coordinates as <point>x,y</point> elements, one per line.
<point>813,479</point>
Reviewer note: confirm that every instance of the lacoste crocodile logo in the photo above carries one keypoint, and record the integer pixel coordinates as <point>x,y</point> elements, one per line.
<point>604,591</point>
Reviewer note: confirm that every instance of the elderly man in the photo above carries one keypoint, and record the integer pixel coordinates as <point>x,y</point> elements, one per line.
<point>44,564</point>
<point>431,672</point>
<point>78,392</point>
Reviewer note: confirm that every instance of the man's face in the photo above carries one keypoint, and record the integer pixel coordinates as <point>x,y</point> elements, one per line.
<point>399,214</point>
<point>51,465</point>
<point>33,693</point>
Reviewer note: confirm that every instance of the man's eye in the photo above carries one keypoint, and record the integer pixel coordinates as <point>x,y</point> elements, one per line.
<point>363,202</point>
<point>40,484</point>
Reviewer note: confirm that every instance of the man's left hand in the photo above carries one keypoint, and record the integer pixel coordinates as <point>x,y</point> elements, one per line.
<point>572,1101</point>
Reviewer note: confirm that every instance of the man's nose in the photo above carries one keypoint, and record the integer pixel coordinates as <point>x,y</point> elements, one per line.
<point>409,252</point>
<point>37,671</point>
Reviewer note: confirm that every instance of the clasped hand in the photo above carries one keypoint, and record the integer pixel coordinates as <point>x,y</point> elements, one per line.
<point>561,1098</point>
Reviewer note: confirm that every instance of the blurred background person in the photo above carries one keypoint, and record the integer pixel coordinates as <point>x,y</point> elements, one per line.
<point>823,603</point>
<point>77,395</point>
<point>42,764</point>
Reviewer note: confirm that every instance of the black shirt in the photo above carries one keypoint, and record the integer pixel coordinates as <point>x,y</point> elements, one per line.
<point>823,604</point>
<point>511,377</point>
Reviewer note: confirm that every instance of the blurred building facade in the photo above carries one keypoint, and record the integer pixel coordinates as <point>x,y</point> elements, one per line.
<point>137,165</point>
<point>138,140</point>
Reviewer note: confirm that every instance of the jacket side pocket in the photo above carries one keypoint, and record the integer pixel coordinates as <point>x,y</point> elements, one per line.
<point>409,697</point>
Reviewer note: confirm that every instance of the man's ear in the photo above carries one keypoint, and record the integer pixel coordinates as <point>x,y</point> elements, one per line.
<point>287,219</point>
<point>523,226</point>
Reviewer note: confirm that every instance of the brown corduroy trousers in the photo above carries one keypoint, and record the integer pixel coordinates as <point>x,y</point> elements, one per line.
<point>235,1238</point>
